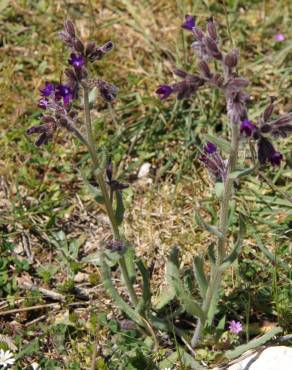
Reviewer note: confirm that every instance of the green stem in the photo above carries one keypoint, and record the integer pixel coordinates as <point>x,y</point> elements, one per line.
<point>228,186</point>
<point>104,191</point>
<point>216,275</point>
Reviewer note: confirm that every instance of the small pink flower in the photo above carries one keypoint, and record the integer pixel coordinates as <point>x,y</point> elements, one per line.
<point>280,37</point>
<point>235,327</point>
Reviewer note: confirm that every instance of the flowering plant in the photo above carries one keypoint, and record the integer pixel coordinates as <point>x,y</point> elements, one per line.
<point>224,172</point>
<point>60,103</point>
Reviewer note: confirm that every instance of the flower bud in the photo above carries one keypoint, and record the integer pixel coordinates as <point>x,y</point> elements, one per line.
<point>213,48</point>
<point>78,46</point>
<point>269,110</point>
<point>90,47</point>
<point>180,73</point>
<point>265,129</point>
<point>204,68</point>
<point>212,28</point>
<point>198,33</point>
<point>69,27</point>
<point>231,59</point>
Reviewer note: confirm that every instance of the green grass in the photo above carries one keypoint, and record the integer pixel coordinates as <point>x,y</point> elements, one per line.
<point>42,196</point>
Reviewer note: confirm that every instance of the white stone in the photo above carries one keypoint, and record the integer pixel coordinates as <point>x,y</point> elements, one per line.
<point>144,170</point>
<point>270,358</point>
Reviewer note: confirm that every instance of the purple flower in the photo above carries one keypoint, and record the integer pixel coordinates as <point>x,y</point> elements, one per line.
<point>48,89</point>
<point>247,128</point>
<point>43,103</point>
<point>164,91</point>
<point>64,91</point>
<point>213,162</point>
<point>77,61</point>
<point>280,37</point>
<point>276,158</point>
<point>189,23</point>
<point>235,327</point>
<point>210,148</point>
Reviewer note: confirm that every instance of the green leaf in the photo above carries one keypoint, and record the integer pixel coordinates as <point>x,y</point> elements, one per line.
<point>114,294</point>
<point>223,144</point>
<point>164,298</point>
<point>146,292</point>
<point>238,245</point>
<point>253,343</point>
<point>186,300</point>
<point>198,266</point>
<point>213,306</point>
<point>120,210</point>
<point>202,223</point>
<point>130,263</point>
<point>28,350</point>
<point>240,173</point>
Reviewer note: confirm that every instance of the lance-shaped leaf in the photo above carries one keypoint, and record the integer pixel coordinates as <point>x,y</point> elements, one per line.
<point>238,245</point>
<point>144,303</point>
<point>130,263</point>
<point>213,305</point>
<point>120,209</point>
<point>254,343</point>
<point>240,173</point>
<point>198,266</point>
<point>186,300</point>
<point>211,229</point>
<point>113,293</point>
<point>165,297</point>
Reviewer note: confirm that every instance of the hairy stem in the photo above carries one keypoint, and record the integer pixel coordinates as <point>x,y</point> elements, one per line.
<point>216,275</point>
<point>104,191</point>
<point>228,186</point>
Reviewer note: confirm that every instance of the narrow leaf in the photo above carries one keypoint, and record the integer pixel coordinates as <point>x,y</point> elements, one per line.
<point>240,173</point>
<point>164,298</point>
<point>146,292</point>
<point>113,293</point>
<point>130,263</point>
<point>120,209</point>
<point>187,301</point>
<point>198,266</point>
<point>238,245</point>
<point>211,229</point>
<point>253,343</point>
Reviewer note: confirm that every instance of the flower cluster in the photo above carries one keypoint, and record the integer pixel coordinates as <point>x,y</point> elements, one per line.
<point>184,89</point>
<point>213,162</point>
<point>57,99</point>
<point>264,131</point>
<point>207,47</point>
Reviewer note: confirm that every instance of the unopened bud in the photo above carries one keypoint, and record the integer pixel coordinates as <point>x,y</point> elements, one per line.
<point>78,46</point>
<point>204,68</point>
<point>212,29</point>
<point>231,59</point>
<point>69,27</point>
<point>213,48</point>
